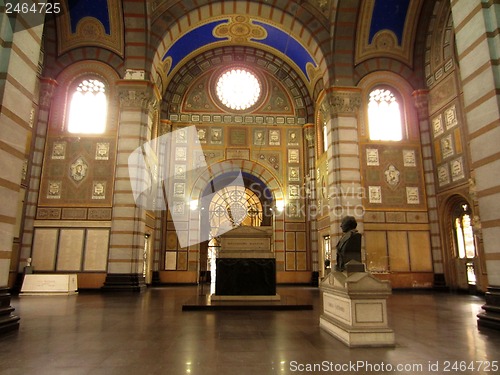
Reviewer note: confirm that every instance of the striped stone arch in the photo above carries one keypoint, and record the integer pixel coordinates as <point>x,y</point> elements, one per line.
<point>218,169</point>
<point>299,24</point>
<point>248,166</point>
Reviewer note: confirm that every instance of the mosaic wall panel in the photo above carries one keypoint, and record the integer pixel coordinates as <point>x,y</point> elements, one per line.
<point>393,177</point>
<point>77,172</point>
<point>448,150</point>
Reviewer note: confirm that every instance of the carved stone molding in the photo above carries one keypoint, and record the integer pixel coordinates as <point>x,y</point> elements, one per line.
<point>309,134</point>
<point>136,94</point>
<point>421,98</point>
<point>345,102</point>
<point>47,89</point>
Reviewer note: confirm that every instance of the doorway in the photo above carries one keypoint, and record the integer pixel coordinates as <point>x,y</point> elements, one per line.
<point>462,245</point>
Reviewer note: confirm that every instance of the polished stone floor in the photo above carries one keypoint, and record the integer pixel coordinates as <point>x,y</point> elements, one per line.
<point>136,334</point>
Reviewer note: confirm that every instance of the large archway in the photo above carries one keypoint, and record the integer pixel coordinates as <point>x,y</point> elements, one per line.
<point>230,205</point>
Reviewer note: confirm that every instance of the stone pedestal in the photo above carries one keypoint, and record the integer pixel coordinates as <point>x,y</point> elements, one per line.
<point>124,283</point>
<point>355,308</point>
<point>8,321</point>
<point>490,316</point>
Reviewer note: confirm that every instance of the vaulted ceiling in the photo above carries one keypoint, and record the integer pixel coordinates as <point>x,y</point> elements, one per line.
<point>325,42</point>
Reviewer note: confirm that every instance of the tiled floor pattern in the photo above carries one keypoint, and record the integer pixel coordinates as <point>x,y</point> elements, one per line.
<point>93,333</point>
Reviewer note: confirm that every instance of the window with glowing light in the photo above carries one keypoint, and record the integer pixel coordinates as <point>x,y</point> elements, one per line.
<point>238,89</point>
<point>88,108</point>
<point>384,116</point>
<point>464,234</point>
<point>233,206</point>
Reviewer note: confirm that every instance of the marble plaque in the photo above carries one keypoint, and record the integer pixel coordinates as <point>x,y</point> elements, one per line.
<point>171,261</point>
<point>69,257</point>
<point>96,250</point>
<point>256,244</point>
<point>44,249</point>
<point>238,154</point>
<point>450,117</point>
<point>374,194</point>
<point>437,126</point>
<point>409,158</point>
<point>59,150</point>
<point>274,137</point>
<point>372,158</point>
<point>238,137</point>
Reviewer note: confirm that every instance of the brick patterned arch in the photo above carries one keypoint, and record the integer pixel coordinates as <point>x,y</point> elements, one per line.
<point>301,24</point>
<point>251,167</point>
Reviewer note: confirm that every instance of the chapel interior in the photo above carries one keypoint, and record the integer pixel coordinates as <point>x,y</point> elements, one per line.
<point>125,123</point>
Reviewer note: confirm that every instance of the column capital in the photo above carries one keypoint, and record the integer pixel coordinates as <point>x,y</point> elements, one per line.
<point>138,94</point>
<point>47,89</point>
<point>165,126</point>
<point>344,100</point>
<point>421,101</point>
<point>309,134</point>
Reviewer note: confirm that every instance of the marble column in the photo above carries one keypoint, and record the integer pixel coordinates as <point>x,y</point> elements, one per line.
<point>312,204</point>
<point>345,191</point>
<point>477,39</point>
<point>19,93</point>
<point>126,257</point>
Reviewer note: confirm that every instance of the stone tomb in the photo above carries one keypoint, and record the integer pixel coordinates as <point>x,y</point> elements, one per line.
<point>49,284</point>
<point>355,308</point>
<point>246,265</point>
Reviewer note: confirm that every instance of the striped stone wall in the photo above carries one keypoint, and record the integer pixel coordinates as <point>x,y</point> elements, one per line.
<point>125,263</point>
<point>20,48</point>
<point>477,38</point>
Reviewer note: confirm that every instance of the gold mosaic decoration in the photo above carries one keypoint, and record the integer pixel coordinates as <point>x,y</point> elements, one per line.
<point>240,30</point>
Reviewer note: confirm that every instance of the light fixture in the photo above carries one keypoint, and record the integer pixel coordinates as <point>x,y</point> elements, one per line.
<point>238,89</point>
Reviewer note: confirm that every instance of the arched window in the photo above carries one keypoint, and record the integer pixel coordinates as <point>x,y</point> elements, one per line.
<point>464,235</point>
<point>88,107</point>
<point>384,116</point>
<point>233,206</point>
<point>464,239</point>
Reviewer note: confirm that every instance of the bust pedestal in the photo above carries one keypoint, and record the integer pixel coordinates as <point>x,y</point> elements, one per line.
<point>355,309</point>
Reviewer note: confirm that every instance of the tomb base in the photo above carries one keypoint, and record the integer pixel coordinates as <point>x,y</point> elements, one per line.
<point>48,284</point>
<point>355,308</point>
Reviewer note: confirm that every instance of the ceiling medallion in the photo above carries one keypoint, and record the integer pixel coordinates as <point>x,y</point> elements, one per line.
<point>240,29</point>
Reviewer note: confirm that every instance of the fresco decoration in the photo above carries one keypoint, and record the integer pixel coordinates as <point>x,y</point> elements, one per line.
<point>387,28</point>
<point>100,25</point>
<point>393,177</point>
<point>243,30</point>
<point>198,98</point>
<point>78,170</point>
